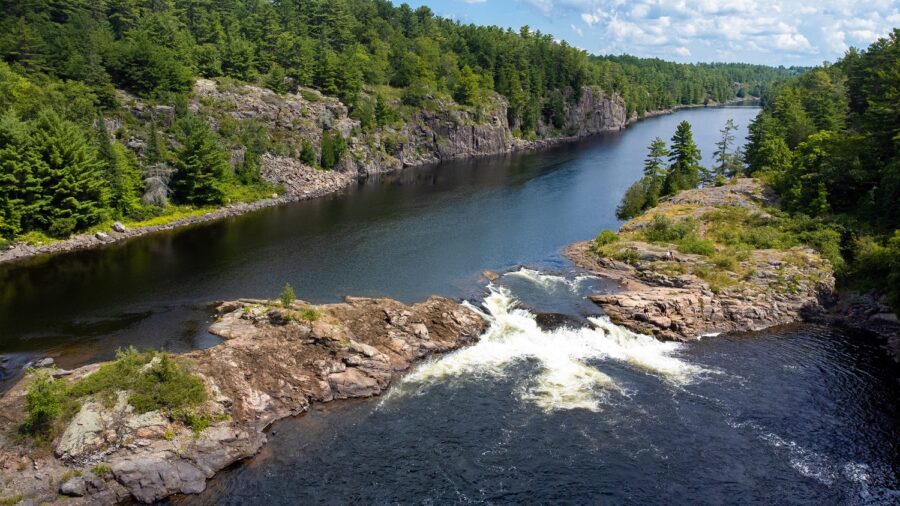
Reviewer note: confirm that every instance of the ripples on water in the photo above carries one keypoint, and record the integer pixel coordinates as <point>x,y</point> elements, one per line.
<point>594,413</point>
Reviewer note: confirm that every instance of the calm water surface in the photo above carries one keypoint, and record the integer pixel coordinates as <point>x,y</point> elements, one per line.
<point>586,414</point>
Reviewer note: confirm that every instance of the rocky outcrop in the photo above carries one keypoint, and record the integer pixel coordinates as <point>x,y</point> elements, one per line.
<point>659,292</point>
<point>274,362</point>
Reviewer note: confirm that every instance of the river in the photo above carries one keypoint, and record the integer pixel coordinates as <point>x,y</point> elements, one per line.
<point>798,414</point>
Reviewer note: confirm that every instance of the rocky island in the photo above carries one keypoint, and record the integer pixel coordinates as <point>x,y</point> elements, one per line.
<point>150,425</point>
<point>709,260</point>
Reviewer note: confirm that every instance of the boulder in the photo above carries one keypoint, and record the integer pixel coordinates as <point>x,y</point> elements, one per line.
<point>118,227</point>
<point>75,487</point>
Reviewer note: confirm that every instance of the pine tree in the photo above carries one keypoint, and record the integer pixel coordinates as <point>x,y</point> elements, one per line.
<point>75,189</point>
<point>122,176</point>
<point>20,187</point>
<point>200,164</point>
<point>727,164</point>
<point>655,172</point>
<point>684,161</point>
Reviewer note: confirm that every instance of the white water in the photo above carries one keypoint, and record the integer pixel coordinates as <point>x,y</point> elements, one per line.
<point>566,380</point>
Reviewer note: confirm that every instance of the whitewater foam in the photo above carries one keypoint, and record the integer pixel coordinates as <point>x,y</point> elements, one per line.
<point>566,380</point>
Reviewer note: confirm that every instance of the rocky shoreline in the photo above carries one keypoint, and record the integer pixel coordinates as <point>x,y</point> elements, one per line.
<point>661,293</point>
<point>430,138</point>
<point>275,362</point>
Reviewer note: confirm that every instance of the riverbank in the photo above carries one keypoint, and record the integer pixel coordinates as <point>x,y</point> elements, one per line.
<point>276,361</point>
<point>302,182</point>
<point>696,265</point>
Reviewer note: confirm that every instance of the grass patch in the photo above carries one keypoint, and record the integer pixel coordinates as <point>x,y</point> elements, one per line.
<point>170,214</point>
<point>154,381</point>
<point>309,315</point>
<point>663,230</point>
<point>102,470</point>
<point>11,500</point>
<point>717,279</point>
<point>695,245</point>
<point>37,238</point>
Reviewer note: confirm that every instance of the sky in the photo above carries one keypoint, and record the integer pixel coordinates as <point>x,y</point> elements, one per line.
<point>772,32</point>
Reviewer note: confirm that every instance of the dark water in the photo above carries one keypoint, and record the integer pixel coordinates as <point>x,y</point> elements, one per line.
<point>424,231</point>
<point>797,415</point>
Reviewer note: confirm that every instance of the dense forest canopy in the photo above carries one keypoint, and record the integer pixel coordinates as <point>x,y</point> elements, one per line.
<point>829,142</point>
<point>61,62</point>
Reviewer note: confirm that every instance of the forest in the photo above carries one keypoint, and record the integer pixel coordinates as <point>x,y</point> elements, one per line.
<point>828,142</point>
<point>62,64</point>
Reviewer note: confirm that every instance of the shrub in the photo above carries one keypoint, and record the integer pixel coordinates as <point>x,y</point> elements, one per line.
<point>102,470</point>
<point>308,154</point>
<point>605,237</point>
<point>62,228</point>
<point>287,296</point>
<point>877,266</point>
<point>46,401</point>
<point>717,280</point>
<point>627,255</point>
<point>725,261</point>
<point>155,381</point>
<point>310,314</point>
<point>695,245</point>
<point>662,229</point>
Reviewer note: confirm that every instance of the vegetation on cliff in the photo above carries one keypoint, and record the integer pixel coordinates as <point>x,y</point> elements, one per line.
<point>72,154</point>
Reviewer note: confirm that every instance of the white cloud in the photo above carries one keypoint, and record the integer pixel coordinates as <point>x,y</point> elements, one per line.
<point>794,30</point>
<point>474,1</point>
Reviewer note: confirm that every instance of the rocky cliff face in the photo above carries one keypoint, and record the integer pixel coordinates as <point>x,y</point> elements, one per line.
<point>275,362</point>
<point>429,136</point>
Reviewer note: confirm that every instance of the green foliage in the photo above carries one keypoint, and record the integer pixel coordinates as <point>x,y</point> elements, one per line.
<point>605,237</point>
<point>45,402</point>
<point>61,62</point>
<point>287,296</point>
<point>684,161</point>
<point>333,147</point>
<point>308,154</point>
<point>876,266</point>
<point>102,470</point>
<point>695,245</point>
<point>635,200</point>
<point>155,381</point>
<point>467,87</point>
<point>828,142</point>
<point>200,164</point>
<point>662,229</point>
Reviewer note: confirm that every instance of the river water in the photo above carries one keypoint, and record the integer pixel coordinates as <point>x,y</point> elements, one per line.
<point>582,414</point>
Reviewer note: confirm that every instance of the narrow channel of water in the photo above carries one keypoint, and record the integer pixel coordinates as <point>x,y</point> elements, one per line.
<point>582,413</point>
<point>423,231</point>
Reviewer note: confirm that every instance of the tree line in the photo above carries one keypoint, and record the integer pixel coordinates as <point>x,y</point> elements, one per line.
<point>828,142</point>
<point>674,168</point>
<point>63,62</point>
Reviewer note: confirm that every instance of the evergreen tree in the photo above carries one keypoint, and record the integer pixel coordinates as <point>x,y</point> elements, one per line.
<point>200,165</point>
<point>120,168</point>
<point>727,164</point>
<point>21,196</point>
<point>655,172</point>
<point>75,187</point>
<point>684,161</point>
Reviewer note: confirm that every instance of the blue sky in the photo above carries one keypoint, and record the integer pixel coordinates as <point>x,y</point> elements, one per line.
<point>774,32</point>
